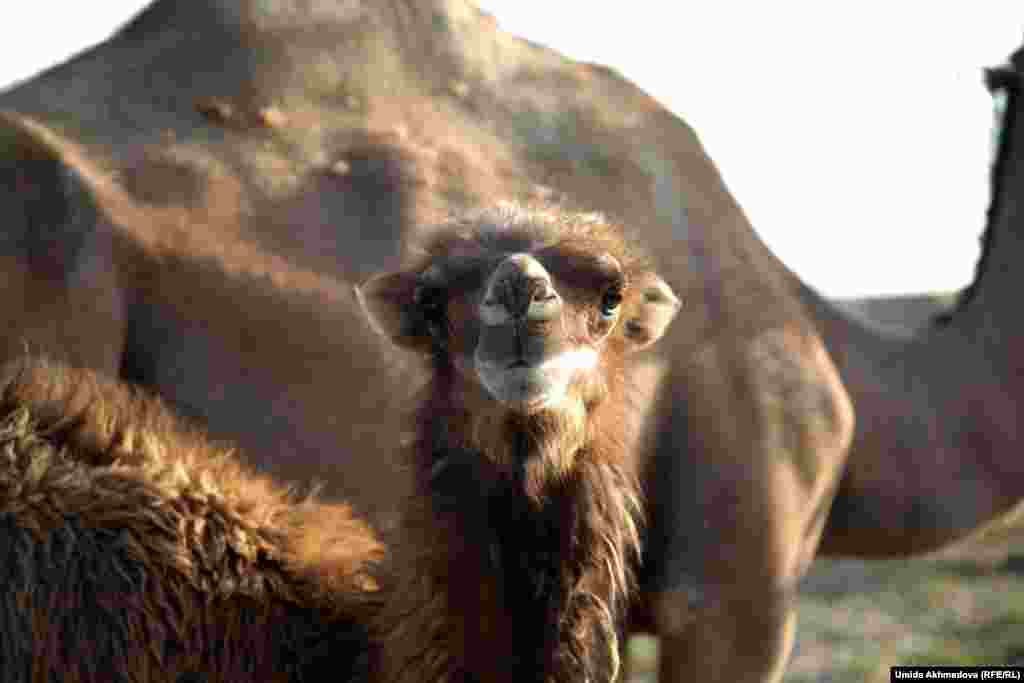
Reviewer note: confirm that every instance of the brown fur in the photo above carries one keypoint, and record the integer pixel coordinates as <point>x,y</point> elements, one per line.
<point>517,550</point>
<point>238,338</point>
<point>136,550</point>
<point>470,114</point>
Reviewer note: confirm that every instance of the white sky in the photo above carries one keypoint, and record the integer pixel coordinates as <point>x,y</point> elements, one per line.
<point>854,134</point>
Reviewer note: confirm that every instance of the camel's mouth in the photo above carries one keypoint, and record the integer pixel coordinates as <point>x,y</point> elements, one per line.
<point>529,387</point>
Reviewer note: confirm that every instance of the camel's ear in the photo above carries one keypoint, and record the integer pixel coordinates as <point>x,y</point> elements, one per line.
<point>389,301</point>
<point>649,312</point>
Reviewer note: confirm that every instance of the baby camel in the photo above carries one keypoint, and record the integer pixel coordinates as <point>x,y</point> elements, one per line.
<point>515,553</point>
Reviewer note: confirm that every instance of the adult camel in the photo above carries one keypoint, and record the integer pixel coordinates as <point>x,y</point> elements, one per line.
<point>939,410</point>
<point>305,159</point>
<point>937,401</point>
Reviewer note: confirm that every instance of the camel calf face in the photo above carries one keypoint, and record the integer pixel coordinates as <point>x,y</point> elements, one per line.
<point>529,306</point>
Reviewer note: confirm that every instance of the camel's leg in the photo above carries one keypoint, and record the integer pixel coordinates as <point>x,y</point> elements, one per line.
<point>739,488</point>
<point>735,640</point>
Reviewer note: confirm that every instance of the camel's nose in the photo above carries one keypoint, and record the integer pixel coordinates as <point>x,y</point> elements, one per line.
<point>520,288</point>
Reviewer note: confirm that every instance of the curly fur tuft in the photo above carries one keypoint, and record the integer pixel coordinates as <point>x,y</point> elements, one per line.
<point>134,549</point>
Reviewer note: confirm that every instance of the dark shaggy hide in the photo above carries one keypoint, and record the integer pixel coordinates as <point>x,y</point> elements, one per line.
<point>134,550</point>
<point>510,573</point>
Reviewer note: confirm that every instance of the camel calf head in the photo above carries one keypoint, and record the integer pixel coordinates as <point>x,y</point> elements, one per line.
<point>518,547</point>
<point>527,312</point>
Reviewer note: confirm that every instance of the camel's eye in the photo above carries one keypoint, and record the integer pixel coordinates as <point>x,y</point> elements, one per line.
<point>611,300</point>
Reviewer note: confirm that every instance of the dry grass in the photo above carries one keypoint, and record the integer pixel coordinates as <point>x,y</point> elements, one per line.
<point>964,605</point>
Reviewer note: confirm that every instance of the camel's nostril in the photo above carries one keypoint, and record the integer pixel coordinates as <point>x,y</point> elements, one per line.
<point>518,284</point>
<point>517,295</point>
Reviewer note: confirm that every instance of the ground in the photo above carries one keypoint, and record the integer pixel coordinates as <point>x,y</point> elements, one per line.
<point>964,605</point>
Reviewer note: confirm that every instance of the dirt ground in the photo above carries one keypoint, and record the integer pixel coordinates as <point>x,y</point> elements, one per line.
<point>964,605</point>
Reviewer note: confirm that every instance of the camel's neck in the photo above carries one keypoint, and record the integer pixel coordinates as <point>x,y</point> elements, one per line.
<point>539,549</point>
<point>991,305</point>
<point>987,312</point>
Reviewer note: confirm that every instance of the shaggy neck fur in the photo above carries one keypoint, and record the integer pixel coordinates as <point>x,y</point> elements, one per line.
<point>527,534</point>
